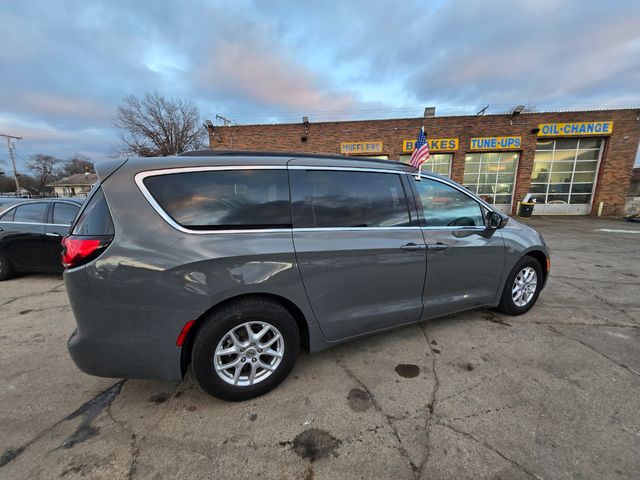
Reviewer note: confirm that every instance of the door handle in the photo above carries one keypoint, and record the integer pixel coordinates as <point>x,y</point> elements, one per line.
<point>438,247</point>
<point>412,247</point>
<point>53,235</point>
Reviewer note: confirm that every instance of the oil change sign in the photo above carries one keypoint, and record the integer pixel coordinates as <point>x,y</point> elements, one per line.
<point>435,145</point>
<point>575,128</point>
<point>495,143</point>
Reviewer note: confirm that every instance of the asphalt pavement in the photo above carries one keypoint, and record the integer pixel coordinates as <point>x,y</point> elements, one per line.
<point>551,394</point>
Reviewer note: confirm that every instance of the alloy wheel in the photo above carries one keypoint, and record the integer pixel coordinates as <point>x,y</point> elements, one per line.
<point>248,353</point>
<point>524,286</point>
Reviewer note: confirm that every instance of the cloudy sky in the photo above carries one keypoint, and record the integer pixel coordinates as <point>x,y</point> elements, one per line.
<point>67,64</point>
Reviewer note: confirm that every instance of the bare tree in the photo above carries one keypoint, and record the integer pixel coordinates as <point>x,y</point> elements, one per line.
<point>27,182</point>
<point>77,164</point>
<point>157,126</point>
<point>45,168</point>
<point>7,184</point>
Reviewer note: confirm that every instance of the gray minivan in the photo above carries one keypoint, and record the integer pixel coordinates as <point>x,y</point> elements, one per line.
<point>234,261</point>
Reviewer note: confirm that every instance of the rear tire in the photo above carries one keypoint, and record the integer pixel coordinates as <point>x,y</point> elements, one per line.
<point>522,288</point>
<point>6,271</point>
<point>248,369</point>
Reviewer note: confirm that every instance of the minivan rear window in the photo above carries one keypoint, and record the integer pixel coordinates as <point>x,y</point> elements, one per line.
<point>95,219</point>
<point>325,198</point>
<point>224,199</point>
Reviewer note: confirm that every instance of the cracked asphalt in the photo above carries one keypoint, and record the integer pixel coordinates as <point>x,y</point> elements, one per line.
<point>552,394</point>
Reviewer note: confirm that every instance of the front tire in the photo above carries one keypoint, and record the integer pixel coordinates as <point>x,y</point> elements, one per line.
<point>522,287</point>
<point>6,271</point>
<point>245,349</point>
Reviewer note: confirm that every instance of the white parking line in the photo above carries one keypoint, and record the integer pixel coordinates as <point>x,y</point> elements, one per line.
<point>616,231</point>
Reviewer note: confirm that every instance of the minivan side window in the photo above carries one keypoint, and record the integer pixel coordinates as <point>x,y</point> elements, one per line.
<point>445,206</point>
<point>224,199</point>
<point>341,198</point>
<point>31,213</point>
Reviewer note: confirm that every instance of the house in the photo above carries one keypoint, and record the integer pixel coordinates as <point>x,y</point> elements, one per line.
<point>77,185</point>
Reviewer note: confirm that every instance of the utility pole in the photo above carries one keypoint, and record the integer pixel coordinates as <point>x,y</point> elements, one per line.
<point>13,160</point>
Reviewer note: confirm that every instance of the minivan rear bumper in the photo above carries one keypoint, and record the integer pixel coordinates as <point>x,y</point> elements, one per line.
<point>117,361</point>
<point>114,343</point>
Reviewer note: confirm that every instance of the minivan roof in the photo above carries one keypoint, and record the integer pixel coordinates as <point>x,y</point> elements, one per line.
<point>233,157</point>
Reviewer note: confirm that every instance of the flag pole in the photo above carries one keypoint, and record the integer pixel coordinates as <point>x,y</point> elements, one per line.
<point>419,177</point>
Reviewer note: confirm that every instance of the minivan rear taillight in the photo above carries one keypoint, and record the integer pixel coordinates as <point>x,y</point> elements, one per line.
<point>77,251</point>
<point>91,233</point>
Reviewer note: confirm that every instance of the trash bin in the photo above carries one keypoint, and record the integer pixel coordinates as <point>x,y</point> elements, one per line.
<point>526,209</point>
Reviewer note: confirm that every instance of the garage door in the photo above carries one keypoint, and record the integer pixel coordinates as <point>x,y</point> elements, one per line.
<point>564,175</point>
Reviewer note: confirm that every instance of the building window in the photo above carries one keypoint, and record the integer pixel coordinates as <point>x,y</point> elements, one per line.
<point>491,176</point>
<point>564,170</point>
<point>439,163</point>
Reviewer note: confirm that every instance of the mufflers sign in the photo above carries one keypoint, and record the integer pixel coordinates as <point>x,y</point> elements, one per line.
<point>354,148</point>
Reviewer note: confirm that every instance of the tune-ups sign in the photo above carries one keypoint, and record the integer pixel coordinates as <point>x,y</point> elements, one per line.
<point>495,143</point>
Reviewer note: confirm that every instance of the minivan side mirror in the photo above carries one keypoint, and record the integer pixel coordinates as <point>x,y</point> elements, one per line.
<point>494,220</point>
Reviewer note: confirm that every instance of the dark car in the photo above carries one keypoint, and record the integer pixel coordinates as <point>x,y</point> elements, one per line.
<point>236,261</point>
<point>31,232</point>
<point>7,202</point>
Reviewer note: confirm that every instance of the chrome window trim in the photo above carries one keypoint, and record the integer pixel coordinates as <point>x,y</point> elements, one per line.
<point>349,229</point>
<point>140,177</point>
<point>348,169</point>
<point>38,223</point>
<point>165,171</point>
<point>79,205</point>
<point>63,201</point>
<point>29,202</point>
<point>457,228</point>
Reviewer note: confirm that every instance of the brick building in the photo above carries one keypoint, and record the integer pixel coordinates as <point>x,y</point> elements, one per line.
<point>570,162</point>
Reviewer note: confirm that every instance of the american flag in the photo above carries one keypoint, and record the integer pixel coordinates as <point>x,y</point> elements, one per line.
<point>420,150</point>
